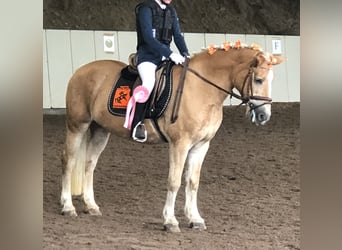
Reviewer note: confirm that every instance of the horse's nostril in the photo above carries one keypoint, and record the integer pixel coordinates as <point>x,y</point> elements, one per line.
<point>261,117</point>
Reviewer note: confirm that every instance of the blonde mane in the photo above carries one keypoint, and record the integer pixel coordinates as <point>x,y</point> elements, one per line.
<point>226,46</point>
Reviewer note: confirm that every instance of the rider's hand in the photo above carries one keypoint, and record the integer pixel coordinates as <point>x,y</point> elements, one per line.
<point>177,58</point>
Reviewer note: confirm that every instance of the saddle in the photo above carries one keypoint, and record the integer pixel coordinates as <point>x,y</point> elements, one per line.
<point>129,79</point>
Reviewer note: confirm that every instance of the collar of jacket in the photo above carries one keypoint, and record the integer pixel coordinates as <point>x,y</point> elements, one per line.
<point>163,6</point>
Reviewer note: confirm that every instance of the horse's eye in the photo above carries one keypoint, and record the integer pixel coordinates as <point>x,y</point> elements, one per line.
<point>258,80</point>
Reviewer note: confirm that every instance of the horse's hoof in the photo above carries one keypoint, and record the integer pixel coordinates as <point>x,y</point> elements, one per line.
<point>171,228</point>
<point>93,211</point>
<point>71,213</point>
<point>198,226</point>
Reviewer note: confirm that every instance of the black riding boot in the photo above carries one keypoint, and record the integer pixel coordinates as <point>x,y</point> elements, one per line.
<point>139,132</point>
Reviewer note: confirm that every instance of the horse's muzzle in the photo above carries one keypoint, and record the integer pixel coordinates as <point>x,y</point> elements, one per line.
<point>260,114</point>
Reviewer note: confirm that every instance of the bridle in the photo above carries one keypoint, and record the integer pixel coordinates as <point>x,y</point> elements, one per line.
<point>250,97</point>
<point>244,99</point>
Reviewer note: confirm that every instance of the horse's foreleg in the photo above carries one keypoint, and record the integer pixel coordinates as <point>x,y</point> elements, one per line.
<point>177,159</point>
<point>193,171</point>
<point>96,144</point>
<point>73,156</point>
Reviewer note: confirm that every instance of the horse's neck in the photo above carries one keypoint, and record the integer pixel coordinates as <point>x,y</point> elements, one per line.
<point>216,70</point>
<point>222,68</point>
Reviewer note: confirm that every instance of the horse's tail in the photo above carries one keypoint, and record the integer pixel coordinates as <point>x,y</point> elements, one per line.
<point>78,170</point>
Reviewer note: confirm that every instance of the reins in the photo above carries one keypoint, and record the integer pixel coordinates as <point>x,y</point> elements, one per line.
<point>244,99</point>
<point>179,93</point>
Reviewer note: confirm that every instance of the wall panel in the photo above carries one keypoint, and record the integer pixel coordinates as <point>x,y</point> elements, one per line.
<point>59,64</point>
<point>127,42</point>
<point>214,39</point>
<point>292,49</point>
<point>235,37</point>
<point>82,47</point>
<point>195,42</point>
<point>257,39</point>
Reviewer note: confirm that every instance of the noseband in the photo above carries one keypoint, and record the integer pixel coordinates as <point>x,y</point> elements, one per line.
<point>250,97</point>
<point>244,99</point>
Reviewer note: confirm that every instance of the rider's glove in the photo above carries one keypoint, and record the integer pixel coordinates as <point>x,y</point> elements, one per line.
<point>177,58</point>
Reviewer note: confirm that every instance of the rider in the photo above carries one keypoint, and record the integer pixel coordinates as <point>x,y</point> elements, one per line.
<point>156,23</point>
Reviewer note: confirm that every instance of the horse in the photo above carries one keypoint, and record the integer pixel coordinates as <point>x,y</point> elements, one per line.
<point>211,76</point>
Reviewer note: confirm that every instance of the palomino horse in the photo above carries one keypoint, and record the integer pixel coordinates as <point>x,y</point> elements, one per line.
<point>211,76</point>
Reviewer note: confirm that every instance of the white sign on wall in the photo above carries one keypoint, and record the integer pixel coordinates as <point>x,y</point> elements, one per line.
<point>276,46</point>
<point>108,43</point>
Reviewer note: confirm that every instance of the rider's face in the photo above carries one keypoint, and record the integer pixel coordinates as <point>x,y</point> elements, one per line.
<point>167,1</point>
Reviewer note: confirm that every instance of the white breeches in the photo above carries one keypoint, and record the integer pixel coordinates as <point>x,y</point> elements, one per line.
<point>147,74</point>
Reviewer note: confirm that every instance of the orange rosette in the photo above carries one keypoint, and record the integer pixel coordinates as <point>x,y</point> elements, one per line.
<point>255,46</point>
<point>211,49</point>
<point>227,45</point>
<point>237,44</point>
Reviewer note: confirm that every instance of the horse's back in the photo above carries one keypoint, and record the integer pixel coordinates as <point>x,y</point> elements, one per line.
<point>90,84</point>
<point>95,72</point>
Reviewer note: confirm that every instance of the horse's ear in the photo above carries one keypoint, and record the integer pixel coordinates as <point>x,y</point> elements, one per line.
<point>271,59</point>
<point>274,60</point>
<point>259,59</point>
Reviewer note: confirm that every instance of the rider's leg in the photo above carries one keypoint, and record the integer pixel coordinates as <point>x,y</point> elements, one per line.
<point>147,75</point>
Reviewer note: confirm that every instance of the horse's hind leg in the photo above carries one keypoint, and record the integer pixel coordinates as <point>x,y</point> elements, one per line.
<point>73,160</point>
<point>193,171</point>
<point>96,144</point>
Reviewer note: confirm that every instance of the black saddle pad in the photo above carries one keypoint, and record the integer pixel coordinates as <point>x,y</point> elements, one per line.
<point>123,89</point>
<point>121,92</point>
<point>158,105</point>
